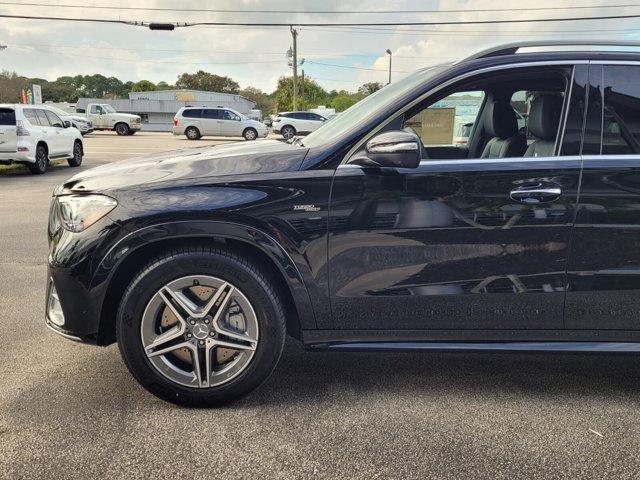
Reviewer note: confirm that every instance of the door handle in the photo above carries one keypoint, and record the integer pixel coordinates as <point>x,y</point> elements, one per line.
<point>532,195</point>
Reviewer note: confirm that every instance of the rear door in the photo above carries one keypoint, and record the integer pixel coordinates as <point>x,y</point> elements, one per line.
<point>59,139</point>
<point>211,122</point>
<point>604,265</point>
<point>8,131</point>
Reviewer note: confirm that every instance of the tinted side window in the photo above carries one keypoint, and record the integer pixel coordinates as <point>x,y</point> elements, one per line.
<point>7,116</point>
<point>621,123</point>
<point>192,113</point>
<point>211,113</point>
<point>315,116</point>
<point>54,119</point>
<point>42,118</point>
<point>572,140</point>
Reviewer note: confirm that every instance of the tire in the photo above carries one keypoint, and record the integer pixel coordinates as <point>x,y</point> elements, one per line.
<point>42,161</point>
<point>143,307</point>
<point>287,132</point>
<point>250,134</point>
<point>132,132</point>
<point>192,133</point>
<point>122,129</point>
<point>78,153</point>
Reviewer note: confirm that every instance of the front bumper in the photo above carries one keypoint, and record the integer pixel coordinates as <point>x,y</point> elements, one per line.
<point>135,126</point>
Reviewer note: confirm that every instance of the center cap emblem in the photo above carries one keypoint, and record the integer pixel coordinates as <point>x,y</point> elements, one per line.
<point>200,331</point>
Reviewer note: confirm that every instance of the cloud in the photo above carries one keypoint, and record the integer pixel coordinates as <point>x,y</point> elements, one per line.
<point>255,56</point>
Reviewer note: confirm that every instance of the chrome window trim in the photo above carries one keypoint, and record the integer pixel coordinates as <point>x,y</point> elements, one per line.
<point>484,161</point>
<point>571,63</point>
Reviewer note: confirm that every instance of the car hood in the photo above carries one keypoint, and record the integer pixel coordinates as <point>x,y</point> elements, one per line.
<point>261,156</point>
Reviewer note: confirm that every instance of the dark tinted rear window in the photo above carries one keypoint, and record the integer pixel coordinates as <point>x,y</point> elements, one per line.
<point>192,113</point>
<point>621,125</point>
<point>7,116</point>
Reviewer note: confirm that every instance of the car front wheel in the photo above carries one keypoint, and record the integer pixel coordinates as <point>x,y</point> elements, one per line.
<point>250,134</point>
<point>200,327</point>
<point>122,129</point>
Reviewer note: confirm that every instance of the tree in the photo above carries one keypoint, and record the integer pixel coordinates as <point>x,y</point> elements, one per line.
<point>342,102</point>
<point>11,85</point>
<point>313,96</point>
<point>208,82</point>
<point>263,101</point>
<point>143,86</point>
<point>162,85</point>
<point>369,87</point>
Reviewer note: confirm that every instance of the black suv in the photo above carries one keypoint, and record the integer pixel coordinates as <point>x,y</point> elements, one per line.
<point>377,231</point>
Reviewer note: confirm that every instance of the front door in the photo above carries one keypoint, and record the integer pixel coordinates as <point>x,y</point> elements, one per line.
<point>231,124</point>
<point>458,243</point>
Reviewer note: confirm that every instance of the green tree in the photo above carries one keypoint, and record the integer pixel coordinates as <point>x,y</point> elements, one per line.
<point>264,102</point>
<point>162,85</point>
<point>11,85</point>
<point>342,102</point>
<point>369,88</point>
<point>208,82</point>
<point>143,86</point>
<point>310,94</point>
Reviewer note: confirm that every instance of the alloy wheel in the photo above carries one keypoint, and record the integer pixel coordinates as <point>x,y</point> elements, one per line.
<point>288,132</point>
<point>199,331</point>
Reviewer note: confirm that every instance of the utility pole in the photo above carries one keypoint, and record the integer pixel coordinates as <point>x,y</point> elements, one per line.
<point>294,34</point>
<point>389,52</point>
<point>302,86</point>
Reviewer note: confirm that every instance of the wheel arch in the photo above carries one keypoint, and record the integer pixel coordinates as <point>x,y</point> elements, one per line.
<point>118,268</point>
<point>44,144</point>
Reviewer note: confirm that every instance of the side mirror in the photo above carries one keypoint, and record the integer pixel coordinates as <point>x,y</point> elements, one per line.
<point>66,123</point>
<point>397,148</point>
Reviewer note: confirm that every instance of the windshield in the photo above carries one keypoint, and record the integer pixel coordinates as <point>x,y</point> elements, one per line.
<point>359,112</point>
<point>60,112</point>
<point>108,108</point>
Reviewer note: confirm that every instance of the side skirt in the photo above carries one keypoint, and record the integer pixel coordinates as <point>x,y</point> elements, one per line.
<point>487,341</point>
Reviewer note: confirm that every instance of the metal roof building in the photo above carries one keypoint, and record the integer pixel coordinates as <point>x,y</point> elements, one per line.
<point>158,108</point>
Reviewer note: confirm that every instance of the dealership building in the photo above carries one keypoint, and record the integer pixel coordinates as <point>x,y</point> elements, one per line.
<point>158,108</point>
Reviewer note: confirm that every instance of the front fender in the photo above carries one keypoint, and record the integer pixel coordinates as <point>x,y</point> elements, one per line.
<point>201,229</point>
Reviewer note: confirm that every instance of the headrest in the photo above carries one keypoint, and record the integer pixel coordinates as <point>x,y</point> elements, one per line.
<point>544,116</point>
<point>501,120</point>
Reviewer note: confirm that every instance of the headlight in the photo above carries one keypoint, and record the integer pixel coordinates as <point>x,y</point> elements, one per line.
<point>79,212</point>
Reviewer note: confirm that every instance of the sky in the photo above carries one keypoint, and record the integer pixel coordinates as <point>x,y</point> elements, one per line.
<point>336,57</point>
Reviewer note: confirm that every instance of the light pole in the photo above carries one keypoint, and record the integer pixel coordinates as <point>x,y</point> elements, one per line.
<point>389,52</point>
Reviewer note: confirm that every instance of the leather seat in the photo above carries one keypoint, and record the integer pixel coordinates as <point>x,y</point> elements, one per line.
<point>544,118</point>
<point>501,123</point>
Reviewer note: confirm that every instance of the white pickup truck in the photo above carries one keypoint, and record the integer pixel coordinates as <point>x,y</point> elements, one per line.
<point>104,117</point>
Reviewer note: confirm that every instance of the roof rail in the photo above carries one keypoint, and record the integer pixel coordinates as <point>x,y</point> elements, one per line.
<point>512,48</point>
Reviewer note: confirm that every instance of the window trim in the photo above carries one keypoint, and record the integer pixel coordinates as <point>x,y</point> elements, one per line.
<point>569,63</point>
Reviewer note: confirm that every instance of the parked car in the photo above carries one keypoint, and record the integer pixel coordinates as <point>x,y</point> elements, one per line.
<point>81,123</point>
<point>290,124</point>
<point>104,117</point>
<point>195,122</point>
<point>359,237</point>
<point>34,135</point>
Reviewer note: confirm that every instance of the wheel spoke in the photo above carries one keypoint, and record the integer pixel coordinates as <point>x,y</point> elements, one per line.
<point>169,348</point>
<point>222,307</point>
<point>190,308</point>
<point>203,312</point>
<point>234,345</point>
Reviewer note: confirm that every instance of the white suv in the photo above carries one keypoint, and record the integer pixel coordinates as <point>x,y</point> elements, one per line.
<point>34,134</point>
<point>194,122</point>
<point>293,123</point>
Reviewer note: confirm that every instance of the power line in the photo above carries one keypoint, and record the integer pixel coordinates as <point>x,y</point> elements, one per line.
<point>323,12</point>
<point>352,67</point>
<point>170,26</point>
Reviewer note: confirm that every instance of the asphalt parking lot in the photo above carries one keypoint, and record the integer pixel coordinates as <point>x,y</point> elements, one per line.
<point>73,411</point>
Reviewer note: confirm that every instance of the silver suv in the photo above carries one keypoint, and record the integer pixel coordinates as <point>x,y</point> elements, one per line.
<point>195,122</point>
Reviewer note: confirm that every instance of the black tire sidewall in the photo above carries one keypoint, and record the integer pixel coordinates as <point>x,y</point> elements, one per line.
<point>218,264</point>
<point>35,168</point>
<point>75,162</point>
<point>255,132</point>
<point>122,129</point>
<point>194,129</point>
